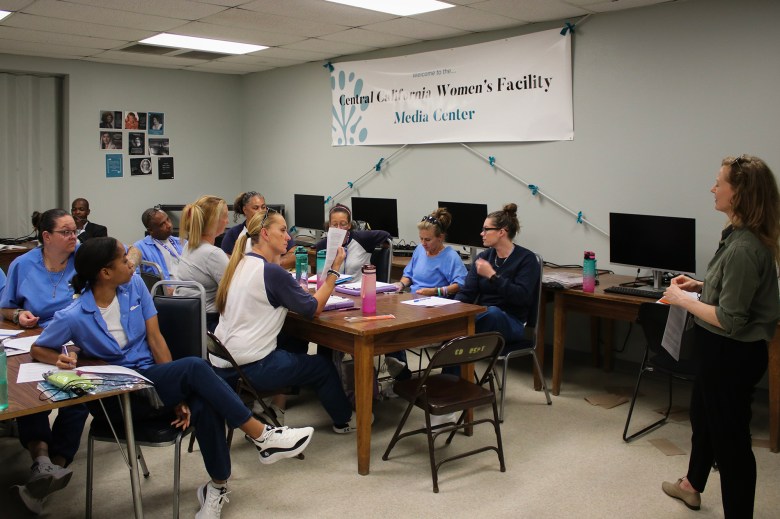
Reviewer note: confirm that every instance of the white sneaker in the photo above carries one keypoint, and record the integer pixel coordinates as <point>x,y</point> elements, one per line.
<point>444,418</point>
<point>351,426</point>
<point>281,442</point>
<point>47,478</point>
<point>394,366</point>
<point>211,500</point>
<point>33,504</point>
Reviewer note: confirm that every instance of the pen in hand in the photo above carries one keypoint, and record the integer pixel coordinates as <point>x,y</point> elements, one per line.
<point>71,360</point>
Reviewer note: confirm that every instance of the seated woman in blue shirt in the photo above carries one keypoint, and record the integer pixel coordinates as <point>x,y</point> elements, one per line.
<point>38,286</point>
<point>434,270</point>
<point>115,320</point>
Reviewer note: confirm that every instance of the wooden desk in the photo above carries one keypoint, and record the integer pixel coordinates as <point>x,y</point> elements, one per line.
<point>626,308</point>
<point>23,399</point>
<point>8,255</point>
<point>413,326</point>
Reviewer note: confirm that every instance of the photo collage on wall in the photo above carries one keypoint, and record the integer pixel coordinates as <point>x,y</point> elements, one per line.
<point>140,136</point>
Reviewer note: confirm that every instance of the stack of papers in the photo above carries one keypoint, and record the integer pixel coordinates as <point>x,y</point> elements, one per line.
<point>337,303</point>
<point>430,301</point>
<point>562,279</point>
<point>354,288</point>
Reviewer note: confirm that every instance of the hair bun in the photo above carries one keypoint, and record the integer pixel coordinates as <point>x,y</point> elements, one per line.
<point>510,209</point>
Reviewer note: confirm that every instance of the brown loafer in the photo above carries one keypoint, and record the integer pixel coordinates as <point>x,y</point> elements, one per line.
<point>691,499</point>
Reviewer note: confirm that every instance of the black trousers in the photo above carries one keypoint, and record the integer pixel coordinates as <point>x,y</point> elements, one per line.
<point>727,372</point>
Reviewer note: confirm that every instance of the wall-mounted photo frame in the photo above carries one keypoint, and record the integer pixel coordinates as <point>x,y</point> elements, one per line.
<point>156,123</point>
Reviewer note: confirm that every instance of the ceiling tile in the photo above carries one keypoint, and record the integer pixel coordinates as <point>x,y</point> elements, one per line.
<point>241,35</point>
<point>413,28</point>
<point>43,49</point>
<point>14,33</point>
<point>319,10</point>
<point>617,5</point>
<point>183,9</point>
<point>371,38</point>
<point>337,48</point>
<point>270,22</point>
<point>86,13</point>
<point>300,56</point>
<point>14,5</point>
<point>132,57</point>
<point>531,10</point>
<point>468,19</point>
<point>260,59</point>
<point>44,23</point>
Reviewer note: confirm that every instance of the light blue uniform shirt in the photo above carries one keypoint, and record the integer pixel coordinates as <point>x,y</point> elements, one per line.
<point>31,287</point>
<point>151,252</point>
<point>83,324</point>
<point>434,272</point>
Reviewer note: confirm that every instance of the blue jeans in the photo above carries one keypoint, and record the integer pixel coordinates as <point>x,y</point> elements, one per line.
<point>281,369</point>
<point>63,437</point>
<point>496,320</point>
<point>211,401</point>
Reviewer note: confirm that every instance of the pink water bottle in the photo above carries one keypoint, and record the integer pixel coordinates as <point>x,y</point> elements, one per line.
<point>589,272</point>
<point>368,290</point>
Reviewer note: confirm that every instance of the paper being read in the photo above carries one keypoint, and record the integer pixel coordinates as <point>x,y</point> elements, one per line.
<point>335,240</point>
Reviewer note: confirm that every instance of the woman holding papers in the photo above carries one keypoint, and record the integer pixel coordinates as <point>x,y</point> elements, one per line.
<point>735,317</point>
<point>115,320</point>
<point>253,299</point>
<point>434,270</point>
<point>504,277</point>
<point>358,244</point>
<point>38,286</point>
<point>201,261</point>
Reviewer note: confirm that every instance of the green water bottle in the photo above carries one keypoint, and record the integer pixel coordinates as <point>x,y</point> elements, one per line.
<point>302,267</point>
<point>3,379</point>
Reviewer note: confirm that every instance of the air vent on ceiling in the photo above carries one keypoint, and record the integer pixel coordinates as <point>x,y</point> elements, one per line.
<point>148,49</point>
<point>202,54</point>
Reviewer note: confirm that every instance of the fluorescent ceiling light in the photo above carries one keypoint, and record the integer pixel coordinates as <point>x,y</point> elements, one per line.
<point>3,14</point>
<point>399,7</point>
<point>191,42</point>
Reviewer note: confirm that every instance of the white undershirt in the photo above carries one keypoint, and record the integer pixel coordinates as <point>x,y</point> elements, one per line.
<point>113,318</point>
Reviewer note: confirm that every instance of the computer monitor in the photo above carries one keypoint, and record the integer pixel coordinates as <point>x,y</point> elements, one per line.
<point>279,208</point>
<point>659,243</point>
<point>467,221</point>
<point>381,214</point>
<point>309,211</point>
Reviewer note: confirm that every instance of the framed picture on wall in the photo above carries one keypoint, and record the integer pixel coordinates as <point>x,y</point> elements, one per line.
<point>136,143</point>
<point>156,123</point>
<point>140,166</point>
<point>111,119</point>
<point>165,168</point>
<point>159,146</point>
<point>110,140</point>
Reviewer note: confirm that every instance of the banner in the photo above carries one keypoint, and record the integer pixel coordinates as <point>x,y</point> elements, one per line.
<point>517,89</point>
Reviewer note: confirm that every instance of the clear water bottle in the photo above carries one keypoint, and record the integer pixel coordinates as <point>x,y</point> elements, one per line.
<point>3,379</point>
<point>302,267</point>
<point>368,290</point>
<point>589,272</point>
<point>320,268</point>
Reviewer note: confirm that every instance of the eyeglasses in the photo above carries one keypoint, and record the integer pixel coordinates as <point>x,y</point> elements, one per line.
<point>486,229</point>
<point>66,232</point>
<point>430,219</point>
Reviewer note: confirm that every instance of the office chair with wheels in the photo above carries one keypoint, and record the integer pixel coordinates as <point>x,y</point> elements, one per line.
<point>183,325</point>
<point>526,346</point>
<point>442,394</point>
<point>151,274</point>
<point>652,317</point>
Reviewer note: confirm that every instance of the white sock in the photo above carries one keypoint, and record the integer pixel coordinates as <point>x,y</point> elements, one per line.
<point>43,459</point>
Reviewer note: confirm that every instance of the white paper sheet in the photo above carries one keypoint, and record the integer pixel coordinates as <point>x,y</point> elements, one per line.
<point>33,371</point>
<point>22,343</point>
<point>111,370</point>
<point>675,327</point>
<point>335,240</point>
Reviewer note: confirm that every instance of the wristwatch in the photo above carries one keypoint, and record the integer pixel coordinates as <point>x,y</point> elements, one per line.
<point>16,315</point>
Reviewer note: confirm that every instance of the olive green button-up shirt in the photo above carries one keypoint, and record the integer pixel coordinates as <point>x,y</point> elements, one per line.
<point>742,284</point>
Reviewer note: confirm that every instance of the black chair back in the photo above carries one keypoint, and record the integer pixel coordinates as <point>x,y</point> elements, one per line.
<point>151,273</point>
<point>652,317</point>
<point>182,320</point>
<point>382,259</point>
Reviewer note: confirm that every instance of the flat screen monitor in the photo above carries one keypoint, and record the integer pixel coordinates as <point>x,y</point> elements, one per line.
<point>309,211</point>
<point>279,208</point>
<point>660,243</point>
<point>381,214</point>
<point>467,221</point>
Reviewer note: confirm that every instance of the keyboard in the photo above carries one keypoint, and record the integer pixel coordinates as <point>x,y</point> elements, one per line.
<point>632,291</point>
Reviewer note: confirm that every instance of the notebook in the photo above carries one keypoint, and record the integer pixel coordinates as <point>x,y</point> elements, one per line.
<point>353,289</point>
<point>338,303</point>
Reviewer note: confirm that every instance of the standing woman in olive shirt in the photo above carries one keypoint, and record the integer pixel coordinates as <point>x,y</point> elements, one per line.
<point>735,317</point>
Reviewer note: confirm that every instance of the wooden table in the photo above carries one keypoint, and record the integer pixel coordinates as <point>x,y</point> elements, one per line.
<point>413,326</point>
<point>626,308</point>
<point>8,255</point>
<point>23,399</point>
